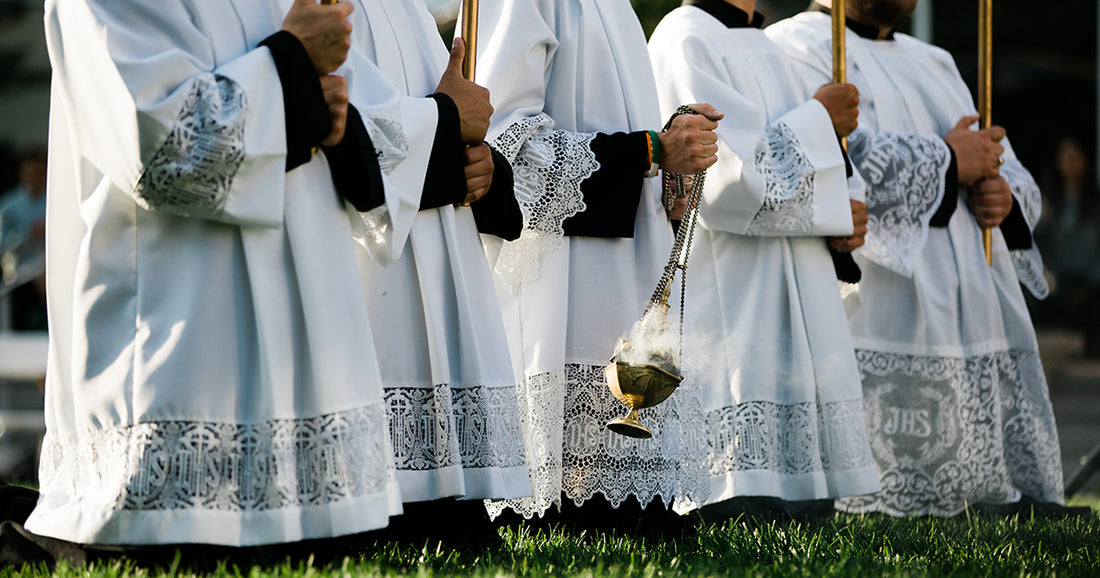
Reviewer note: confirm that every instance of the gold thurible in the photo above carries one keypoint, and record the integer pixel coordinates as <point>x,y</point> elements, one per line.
<point>985,91</point>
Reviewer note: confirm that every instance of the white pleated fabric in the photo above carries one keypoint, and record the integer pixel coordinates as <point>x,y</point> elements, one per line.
<point>212,376</point>
<point>957,401</point>
<point>559,72</point>
<point>448,378</point>
<point>781,388</point>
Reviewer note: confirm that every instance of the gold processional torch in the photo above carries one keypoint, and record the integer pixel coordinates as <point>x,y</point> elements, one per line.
<point>985,91</point>
<point>840,62</point>
<point>469,34</point>
<point>645,370</point>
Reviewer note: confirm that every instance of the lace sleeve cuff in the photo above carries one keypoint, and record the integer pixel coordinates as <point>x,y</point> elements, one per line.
<point>1017,228</point>
<point>789,184</point>
<point>905,174</point>
<point>549,166</point>
<point>192,173</point>
<point>800,166</point>
<point>1024,189</point>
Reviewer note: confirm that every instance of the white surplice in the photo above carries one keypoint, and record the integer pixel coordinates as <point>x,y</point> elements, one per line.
<point>447,375</point>
<point>212,376</point>
<point>957,401</point>
<point>559,72</point>
<point>781,389</point>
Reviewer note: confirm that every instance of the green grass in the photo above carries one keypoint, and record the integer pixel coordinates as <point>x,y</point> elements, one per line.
<point>841,546</point>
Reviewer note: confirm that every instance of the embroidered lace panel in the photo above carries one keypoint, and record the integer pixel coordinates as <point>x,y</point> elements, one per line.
<point>542,413</point>
<point>1031,272</point>
<point>376,228</point>
<point>948,432</point>
<point>789,185</point>
<point>1025,189</point>
<point>175,465</point>
<point>594,460</point>
<point>905,175</point>
<point>389,140</point>
<point>1028,262</point>
<point>789,439</point>
<point>192,172</point>
<point>441,426</point>
<point>392,147</point>
<point>549,167</point>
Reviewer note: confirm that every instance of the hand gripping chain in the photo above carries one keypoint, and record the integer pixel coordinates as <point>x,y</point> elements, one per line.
<point>681,248</point>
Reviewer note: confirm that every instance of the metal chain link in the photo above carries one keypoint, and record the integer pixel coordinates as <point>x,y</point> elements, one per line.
<point>681,247</point>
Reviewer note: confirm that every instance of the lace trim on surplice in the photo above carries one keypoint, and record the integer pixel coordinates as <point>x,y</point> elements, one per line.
<point>905,175</point>
<point>594,460</point>
<point>789,439</point>
<point>177,465</point>
<point>441,426</point>
<point>789,185</point>
<point>951,432</point>
<point>549,166</point>
<point>391,145</point>
<point>1028,262</point>
<point>192,172</point>
<point>542,413</point>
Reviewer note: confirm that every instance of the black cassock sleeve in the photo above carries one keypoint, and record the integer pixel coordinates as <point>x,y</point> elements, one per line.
<point>612,193</point>
<point>498,212</point>
<point>354,166</point>
<point>1015,229</point>
<point>845,266</point>
<point>445,182</point>
<point>353,163</point>
<point>942,216</point>
<point>307,117</point>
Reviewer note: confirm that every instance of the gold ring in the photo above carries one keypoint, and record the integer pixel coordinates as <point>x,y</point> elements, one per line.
<point>1000,160</point>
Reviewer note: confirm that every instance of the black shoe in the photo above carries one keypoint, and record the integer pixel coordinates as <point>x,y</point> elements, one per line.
<point>20,548</point>
<point>16,503</point>
<point>767,508</point>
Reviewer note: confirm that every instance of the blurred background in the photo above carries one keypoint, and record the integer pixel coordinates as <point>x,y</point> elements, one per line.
<point>1045,94</point>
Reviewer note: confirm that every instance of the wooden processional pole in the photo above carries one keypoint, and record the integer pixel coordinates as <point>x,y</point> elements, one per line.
<point>469,34</point>
<point>840,62</point>
<point>985,91</point>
